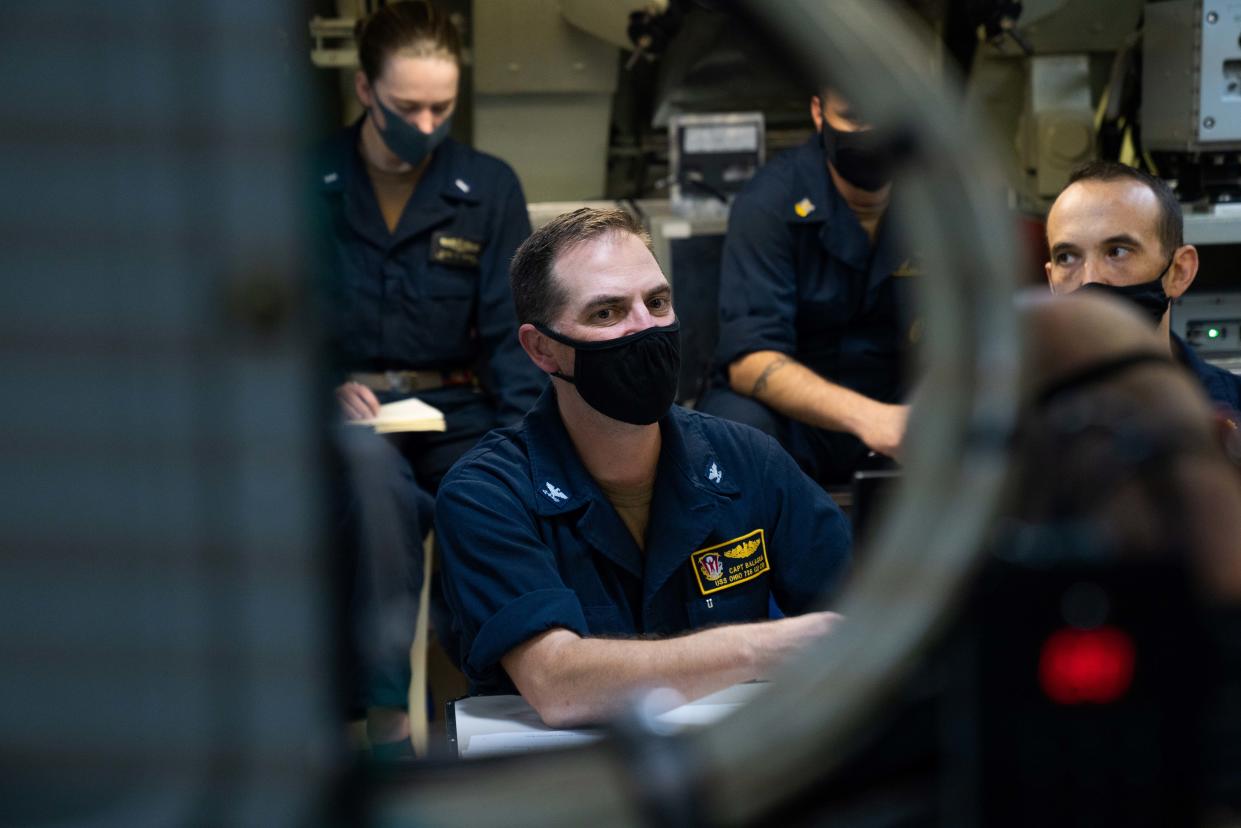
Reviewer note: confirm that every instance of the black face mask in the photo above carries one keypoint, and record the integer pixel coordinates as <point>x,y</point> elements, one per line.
<point>633,378</point>
<point>862,158</point>
<point>1148,297</point>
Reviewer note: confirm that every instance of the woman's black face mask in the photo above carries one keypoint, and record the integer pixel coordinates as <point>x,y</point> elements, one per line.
<point>632,378</point>
<point>862,158</point>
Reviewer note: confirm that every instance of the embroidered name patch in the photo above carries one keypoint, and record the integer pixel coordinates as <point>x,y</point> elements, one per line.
<point>730,563</point>
<point>456,251</point>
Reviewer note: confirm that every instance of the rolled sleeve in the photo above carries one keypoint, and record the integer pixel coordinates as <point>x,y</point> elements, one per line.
<point>758,284</point>
<point>501,580</point>
<point>811,539</point>
<point>521,620</point>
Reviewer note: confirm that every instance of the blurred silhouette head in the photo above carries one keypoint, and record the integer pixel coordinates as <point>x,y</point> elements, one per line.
<point>1116,436</point>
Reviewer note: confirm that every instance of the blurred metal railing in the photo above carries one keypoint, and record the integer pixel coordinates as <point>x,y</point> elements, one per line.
<point>165,628</point>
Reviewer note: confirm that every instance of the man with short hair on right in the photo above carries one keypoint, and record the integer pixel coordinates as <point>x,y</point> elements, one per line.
<point>1119,230</point>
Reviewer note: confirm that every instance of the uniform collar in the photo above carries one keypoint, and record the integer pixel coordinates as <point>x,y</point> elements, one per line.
<point>813,197</point>
<point>560,481</point>
<point>563,483</point>
<point>691,482</point>
<point>687,450</point>
<point>816,196</point>
<point>447,181</point>
<point>1195,364</point>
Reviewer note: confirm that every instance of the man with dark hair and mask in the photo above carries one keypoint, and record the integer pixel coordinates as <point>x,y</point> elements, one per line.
<point>814,300</point>
<point>1118,230</point>
<point>614,541</point>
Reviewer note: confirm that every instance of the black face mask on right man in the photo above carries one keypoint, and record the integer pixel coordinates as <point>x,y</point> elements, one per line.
<point>632,378</point>
<point>1148,297</point>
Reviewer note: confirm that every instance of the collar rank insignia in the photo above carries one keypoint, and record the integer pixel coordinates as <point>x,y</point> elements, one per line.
<point>330,178</point>
<point>804,207</point>
<point>730,563</point>
<point>555,494</point>
<point>462,186</point>
<point>714,474</point>
<point>908,268</point>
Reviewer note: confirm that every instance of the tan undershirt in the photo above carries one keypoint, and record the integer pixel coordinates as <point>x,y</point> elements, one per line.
<point>392,191</point>
<point>870,223</point>
<point>633,504</point>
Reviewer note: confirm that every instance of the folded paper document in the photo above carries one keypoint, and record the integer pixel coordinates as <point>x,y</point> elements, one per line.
<point>405,415</point>
<point>481,726</point>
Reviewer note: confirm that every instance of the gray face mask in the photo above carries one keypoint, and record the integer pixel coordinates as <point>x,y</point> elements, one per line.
<point>407,142</point>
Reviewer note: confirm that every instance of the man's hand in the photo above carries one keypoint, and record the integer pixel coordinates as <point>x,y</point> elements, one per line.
<point>357,401</point>
<point>571,681</point>
<point>883,428</point>
<point>779,381</point>
<point>776,641</point>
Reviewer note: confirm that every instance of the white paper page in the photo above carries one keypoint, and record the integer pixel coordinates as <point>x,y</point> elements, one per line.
<point>690,715</point>
<point>493,725</point>
<point>525,741</point>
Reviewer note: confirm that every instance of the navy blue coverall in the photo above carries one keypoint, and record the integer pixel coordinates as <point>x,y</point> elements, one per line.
<point>799,276</point>
<point>530,542</point>
<point>1220,384</point>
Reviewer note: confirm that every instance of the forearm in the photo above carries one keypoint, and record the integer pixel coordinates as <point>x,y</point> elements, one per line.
<point>787,386</point>
<point>571,680</point>
<point>584,680</point>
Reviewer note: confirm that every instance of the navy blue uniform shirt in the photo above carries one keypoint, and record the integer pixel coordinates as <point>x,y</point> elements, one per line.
<point>530,542</point>
<point>1220,384</point>
<point>434,294</point>
<point>799,276</point>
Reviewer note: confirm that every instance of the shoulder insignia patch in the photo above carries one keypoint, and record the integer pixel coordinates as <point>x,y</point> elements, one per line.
<point>730,563</point>
<point>804,207</point>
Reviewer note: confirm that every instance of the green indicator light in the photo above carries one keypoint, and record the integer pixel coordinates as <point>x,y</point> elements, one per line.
<point>1213,333</point>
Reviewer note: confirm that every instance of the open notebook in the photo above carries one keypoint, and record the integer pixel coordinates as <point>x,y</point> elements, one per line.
<point>405,415</point>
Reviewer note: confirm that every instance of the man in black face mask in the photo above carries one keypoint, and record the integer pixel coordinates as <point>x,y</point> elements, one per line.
<point>815,299</point>
<point>609,513</point>
<point>1119,231</point>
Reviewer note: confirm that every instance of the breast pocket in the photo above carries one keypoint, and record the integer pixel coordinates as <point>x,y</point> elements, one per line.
<point>824,300</point>
<point>744,602</point>
<point>451,283</point>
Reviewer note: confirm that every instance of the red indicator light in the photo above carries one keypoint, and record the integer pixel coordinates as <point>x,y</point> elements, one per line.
<point>1086,666</point>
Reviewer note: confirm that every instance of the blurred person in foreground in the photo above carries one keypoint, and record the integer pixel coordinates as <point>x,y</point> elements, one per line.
<point>1113,427</point>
